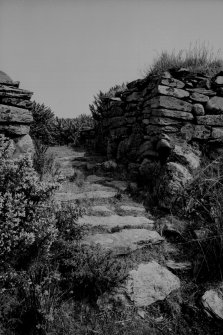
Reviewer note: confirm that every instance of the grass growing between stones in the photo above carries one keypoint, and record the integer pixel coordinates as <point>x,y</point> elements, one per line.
<point>197,58</point>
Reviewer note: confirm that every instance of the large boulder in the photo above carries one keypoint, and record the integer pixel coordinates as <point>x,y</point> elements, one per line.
<point>23,144</point>
<point>212,301</point>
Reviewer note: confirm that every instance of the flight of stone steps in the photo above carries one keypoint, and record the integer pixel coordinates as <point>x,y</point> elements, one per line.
<point>118,224</point>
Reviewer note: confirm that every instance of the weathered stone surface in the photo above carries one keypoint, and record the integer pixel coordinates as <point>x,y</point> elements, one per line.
<point>200,98</point>
<point>92,178</point>
<point>172,114</point>
<point>23,145</point>
<point>26,104</point>
<point>116,221</point>
<point>173,178</point>
<point>9,89</point>
<point>128,210</point>
<point>201,132</point>
<point>212,301</point>
<point>125,241</point>
<point>163,121</point>
<point>101,210</point>
<point>186,156</point>
<point>187,131</point>
<point>14,114</point>
<point>135,96</point>
<point>91,195</point>
<point>219,80</point>
<point>174,92</point>
<point>169,103</point>
<point>156,130</point>
<point>14,129</point>
<point>172,82</point>
<point>178,266</point>
<point>198,110</point>
<point>9,142</point>
<point>203,91</point>
<point>149,283</point>
<point>214,106</point>
<point>210,120</point>
<point>217,132</point>
<point>120,185</point>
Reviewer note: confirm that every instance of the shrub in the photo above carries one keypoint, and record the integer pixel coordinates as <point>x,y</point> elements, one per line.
<point>197,58</point>
<point>44,162</point>
<point>26,218</point>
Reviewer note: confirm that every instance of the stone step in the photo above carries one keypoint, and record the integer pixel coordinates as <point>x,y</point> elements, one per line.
<point>131,210</point>
<point>100,211</point>
<point>120,185</point>
<point>125,241</point>
<point>116,221</point>
<point>90,195</point>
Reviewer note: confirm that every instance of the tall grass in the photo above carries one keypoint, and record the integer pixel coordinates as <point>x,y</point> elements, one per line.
<point>197,58</point>
<point>202,204</point>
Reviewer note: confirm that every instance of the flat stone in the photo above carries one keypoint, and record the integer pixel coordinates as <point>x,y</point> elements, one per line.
<point>210,120</point>
<point>212,301</point>
<point>27,104</point>
<point>125,241</point>
<point>217,132</point>
<point>149,283</point>
<point>197,97</point>
<point>172,114</point>
<point>101,210</point>
<point>169,103</point>
<point>163,121</point>
<point>132,209</point>
<point>13,114</point>
<point>15,129</point>
<point>178,266</point>
<point>120,185</point>
<point>172,82</point>
<point>10,89</point>
<point>116,221</point>
<point>174,92</point>
<point>214,106</point>
<point>90,195</point>
<point>153,130</point>
<point>203,91</point>
<point>94,179</point>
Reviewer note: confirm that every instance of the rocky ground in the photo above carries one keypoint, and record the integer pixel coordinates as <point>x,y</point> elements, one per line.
<point>159,283</point>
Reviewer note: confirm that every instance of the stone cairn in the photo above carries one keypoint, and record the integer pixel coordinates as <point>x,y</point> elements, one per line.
<point>15,115</point>
<point>167,119</point>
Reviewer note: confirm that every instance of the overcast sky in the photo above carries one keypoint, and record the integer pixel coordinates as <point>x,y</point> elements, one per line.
<point>65,51</point>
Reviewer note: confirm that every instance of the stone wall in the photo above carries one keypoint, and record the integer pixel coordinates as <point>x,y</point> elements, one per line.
<point>15,114</point>
<point>171,119</point>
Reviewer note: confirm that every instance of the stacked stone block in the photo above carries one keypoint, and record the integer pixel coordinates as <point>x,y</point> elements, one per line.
<point>15,114</point>
<point>167,119</point>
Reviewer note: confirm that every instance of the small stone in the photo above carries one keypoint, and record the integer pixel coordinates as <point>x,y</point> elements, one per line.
<point>219,80</point>
<point>202,91</point>
<point>198,110</point>
<point>210,120</point>
<point>217,132</point>
<point>201,132</point>
<point>172,82</point>
<point>163,121</point>
<point>214,106</point>
<point>201,98</point>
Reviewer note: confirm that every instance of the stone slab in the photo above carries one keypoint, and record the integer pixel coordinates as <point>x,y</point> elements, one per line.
<point>14,114</point>
<point>149,283</point>
<point>169,103</point>
<point>210,120</point>
<point>101,210</point>
<point>125,241</point>
<point>174,92</point>
<point>116,221</point>
<point>172,114</point>
<point>128,210</point>
<point>91,195</point>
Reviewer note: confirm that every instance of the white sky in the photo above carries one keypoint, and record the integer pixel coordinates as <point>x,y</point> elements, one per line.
<point>65,51</point>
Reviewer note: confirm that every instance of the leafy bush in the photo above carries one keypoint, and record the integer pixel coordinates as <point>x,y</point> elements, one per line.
<point>199,58</point>
<point>26,218</point>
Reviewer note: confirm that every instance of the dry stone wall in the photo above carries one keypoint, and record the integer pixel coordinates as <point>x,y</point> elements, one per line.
<point>15,114</point>
<point>170,119</point>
